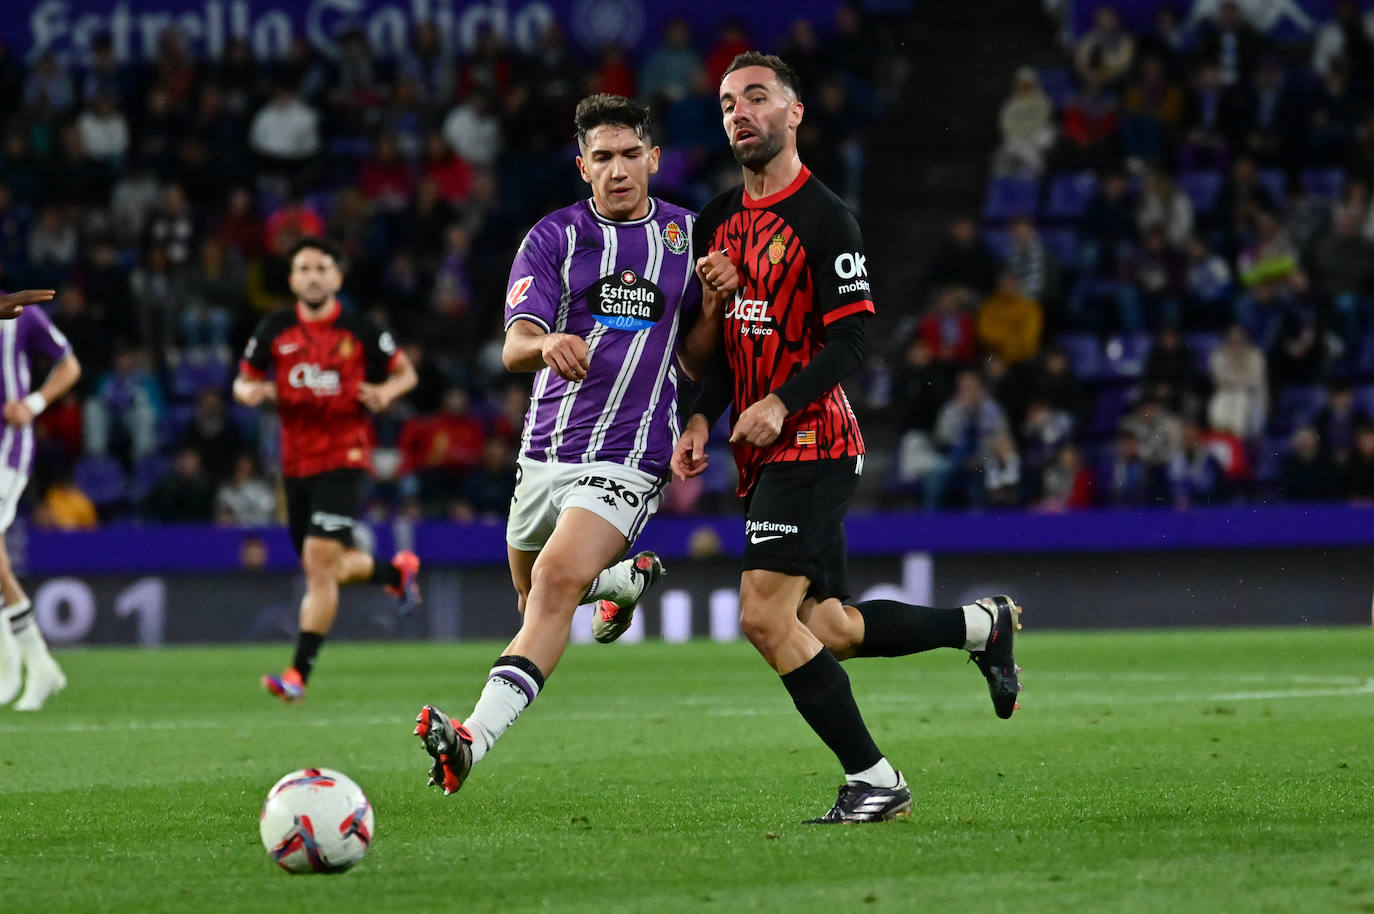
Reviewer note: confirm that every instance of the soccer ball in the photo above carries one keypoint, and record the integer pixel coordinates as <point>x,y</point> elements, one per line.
<point>316,820</point>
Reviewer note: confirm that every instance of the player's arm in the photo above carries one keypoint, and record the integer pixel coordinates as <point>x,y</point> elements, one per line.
<point>719,279</point>
<point>12,305</point>
<point>61,379</point>
<point>529,347</point>
<point>400,380</point>
<point>841,356</point>
<point>251,387</point>
<point>689,454</point>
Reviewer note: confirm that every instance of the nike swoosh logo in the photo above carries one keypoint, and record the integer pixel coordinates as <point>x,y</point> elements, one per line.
<point>763,539</point>
<point>289,348</point>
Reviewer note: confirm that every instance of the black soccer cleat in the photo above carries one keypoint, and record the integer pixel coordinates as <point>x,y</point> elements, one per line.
<point>858,803</point>
<point>451,746</point>
<point>996,660</point>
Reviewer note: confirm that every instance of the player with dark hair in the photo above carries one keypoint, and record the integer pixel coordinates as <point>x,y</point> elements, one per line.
<point>326,370</point>
<point>794,331</point>
<point>604,300</point>
<point>25,333</point>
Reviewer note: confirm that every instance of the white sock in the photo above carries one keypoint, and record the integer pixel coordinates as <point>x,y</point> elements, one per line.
<point>619,584</point>
<point>32,647</point>
<point>509,690</point>
<point>880,775</point>
<point>977,627</point>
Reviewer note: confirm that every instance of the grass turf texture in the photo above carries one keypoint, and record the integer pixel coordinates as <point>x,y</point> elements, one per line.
<point>1202,771</point>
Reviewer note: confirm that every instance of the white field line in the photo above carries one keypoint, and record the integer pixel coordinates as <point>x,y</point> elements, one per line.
<point>1335,686</point>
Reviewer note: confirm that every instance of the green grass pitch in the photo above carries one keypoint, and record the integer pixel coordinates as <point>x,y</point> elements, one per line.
<point>1174,772</point>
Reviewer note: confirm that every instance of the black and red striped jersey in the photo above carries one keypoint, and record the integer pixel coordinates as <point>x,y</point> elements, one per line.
<point>802,267</point>
<point>318,366</point>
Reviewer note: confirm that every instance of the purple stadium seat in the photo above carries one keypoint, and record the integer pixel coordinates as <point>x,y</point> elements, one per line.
<point>998,241</point>
<point>1062,243</point>
<point>1085,353</point>
<point>1124,356</point>
<point>1059,85</point>
<point>1010,197</point>
<point>1111,404</point>
<point>1202,344</point>
<point>1364,359</point>
<point>1364,399</point>
<point>1274,182</point>
<point>1268,460</point>
<point>174,422</point>
<point>146,474</point>
<point>1070,195</point>
<point>196,373</point>
<point>1326,183</point>
<point>1202,188</point>
<point>1299,404</point>
<point>101,478</point>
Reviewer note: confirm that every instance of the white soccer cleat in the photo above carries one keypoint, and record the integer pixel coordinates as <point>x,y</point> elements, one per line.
<point>11,665</point>
<point>610,620</point>
<point>45,680</point>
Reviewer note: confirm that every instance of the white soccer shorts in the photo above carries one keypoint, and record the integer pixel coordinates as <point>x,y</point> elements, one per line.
<point>12,483</point>
<point>624,496</point>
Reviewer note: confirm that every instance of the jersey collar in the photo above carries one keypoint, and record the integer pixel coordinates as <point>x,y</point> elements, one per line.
<point>778,196</point>
<point>328,317</point>
<point>653,211</point>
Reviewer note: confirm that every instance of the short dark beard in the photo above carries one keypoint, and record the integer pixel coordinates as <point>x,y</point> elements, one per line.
<point>317,305</point>
<point>764,152</point>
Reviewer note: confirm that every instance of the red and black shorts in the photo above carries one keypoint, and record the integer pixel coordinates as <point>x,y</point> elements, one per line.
<point>324,505</point>
<point>794,522</point>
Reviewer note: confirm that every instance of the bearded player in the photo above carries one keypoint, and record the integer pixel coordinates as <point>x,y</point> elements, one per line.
<point>794,331</point>
<point>327,371</point>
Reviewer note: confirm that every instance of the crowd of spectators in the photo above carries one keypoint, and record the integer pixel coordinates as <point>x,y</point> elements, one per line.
<point>158,199</point>
<point>1169,298</point>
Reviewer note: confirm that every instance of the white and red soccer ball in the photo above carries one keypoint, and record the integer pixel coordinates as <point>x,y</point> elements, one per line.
<point>316,820</point>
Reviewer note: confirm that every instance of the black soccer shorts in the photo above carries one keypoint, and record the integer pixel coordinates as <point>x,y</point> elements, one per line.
<point>794,522</point>
<point>324,505</point>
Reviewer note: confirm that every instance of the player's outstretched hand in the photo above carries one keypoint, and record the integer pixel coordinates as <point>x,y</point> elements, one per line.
<point>718,273</point>
<point>689,454</point>
<point>373,397</point>
<point>566,354</point>
<point>11,305</point>
<point>761,423</point>
<point>255,393</point>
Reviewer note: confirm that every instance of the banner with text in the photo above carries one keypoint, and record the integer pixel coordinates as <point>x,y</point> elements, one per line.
<point>67,27</point>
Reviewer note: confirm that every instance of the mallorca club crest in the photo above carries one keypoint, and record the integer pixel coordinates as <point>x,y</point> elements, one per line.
<point>346,349</point>
<point>675,239</point>
<point>776,248</point>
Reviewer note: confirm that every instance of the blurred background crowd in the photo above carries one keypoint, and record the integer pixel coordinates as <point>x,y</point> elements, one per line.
<point>1164,299</point>
<point>158,199</point>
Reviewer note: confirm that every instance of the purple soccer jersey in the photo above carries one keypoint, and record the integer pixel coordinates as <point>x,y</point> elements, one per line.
<point>627,288</point>
<point>29,334</point>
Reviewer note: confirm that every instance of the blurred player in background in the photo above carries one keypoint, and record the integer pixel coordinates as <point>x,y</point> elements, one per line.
<point>604,298</point>
<point>25,333</point>
<point>326,370</point>
<point>794,331</point>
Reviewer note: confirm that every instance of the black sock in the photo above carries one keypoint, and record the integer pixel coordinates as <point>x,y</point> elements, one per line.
<point>385,573</point>
<point>893,629</point>
<point>820,690</point>
<point>307,648</point>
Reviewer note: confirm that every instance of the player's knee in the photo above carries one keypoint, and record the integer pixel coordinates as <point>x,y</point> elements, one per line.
<point>762,624</point>
<point>321,558</point>
<point>556,581</point>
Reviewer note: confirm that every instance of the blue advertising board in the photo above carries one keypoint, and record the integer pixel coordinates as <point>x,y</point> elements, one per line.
<point>67,27</point>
